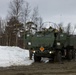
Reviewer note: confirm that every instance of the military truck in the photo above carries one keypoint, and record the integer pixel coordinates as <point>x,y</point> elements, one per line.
<point>51,43</point>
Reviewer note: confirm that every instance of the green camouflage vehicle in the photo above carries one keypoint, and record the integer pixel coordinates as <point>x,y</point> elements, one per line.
<point>52,44</point>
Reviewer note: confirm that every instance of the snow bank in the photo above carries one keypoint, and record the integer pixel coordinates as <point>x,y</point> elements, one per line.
<point>13,56</point>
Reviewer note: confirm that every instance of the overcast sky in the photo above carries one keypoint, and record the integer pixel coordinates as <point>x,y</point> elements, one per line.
<point>50,10</point>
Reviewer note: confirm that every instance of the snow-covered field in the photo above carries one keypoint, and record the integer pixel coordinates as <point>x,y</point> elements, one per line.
<point>13,56</point>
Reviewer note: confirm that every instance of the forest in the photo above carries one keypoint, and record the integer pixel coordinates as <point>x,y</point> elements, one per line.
<point>19,19</point>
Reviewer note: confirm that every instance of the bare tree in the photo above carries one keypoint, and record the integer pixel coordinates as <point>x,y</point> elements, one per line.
<point>26,12</point>
<point>74,29</point>
<point>60,26</point>
<point>15,12</point>
<point>0,26</point>
<point>0,31</point>
<point>37,19</point>
<point>40,22</point>
<point>68,28</point>
<point>16,8</point>
<point>35,16</point>
<point>68,31</point>
<point>25,16</point>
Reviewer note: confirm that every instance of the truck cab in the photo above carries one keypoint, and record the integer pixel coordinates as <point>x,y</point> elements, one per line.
<point>51,44</point>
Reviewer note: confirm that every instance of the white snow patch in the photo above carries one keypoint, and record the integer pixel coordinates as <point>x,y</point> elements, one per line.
<point>13,56</point>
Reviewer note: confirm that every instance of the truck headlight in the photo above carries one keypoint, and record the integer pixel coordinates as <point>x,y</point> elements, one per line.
<point>34,51</point>
<point>51,52</point>
<point>58,43</point>
<point>29,43</point>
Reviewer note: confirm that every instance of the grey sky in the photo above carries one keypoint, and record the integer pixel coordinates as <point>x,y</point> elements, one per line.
<point>57,10</point>
<point>50,10</point>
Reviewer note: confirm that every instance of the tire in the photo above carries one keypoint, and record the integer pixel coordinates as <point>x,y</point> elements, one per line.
<point>73,54</point>
<point>51,60</point>
<point>58,57</point>
<point>30,55</point>
<point>37,58</point>
<point>69,54</point>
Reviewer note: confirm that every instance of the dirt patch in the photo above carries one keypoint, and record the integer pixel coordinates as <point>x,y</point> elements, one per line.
<point>20,74</point>
<point>65,68</point>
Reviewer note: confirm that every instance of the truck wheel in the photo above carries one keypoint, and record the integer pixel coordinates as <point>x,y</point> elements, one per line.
<point>37,58</point>
<point>73,53</point>
<point>58,56</point>
<point>52,59</point>
<point>30,53</point>
<point>69,54</point>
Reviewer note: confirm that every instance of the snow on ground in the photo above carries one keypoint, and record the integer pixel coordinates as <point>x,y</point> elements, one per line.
<point>13,56</point>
